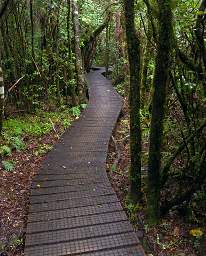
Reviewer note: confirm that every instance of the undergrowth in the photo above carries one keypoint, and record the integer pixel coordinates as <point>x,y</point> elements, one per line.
<point>17,130</point>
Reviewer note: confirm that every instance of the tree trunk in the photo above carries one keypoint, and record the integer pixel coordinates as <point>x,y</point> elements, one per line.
<point>119,34</point>
<point>200,30</point>
<point>163,62</point>
<point>32,29</point>
<point>2,11</point>
<point>70,62</point>
<point>146,60</point>
<point>133,47</point>
<point>1,99</point>
<point>200,36</point>
<point>107,50</point>
<point>78,54</point>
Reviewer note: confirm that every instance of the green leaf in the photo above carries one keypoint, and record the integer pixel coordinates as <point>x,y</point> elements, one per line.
<point>8,165</point>
<point>76,111</point>
<point>5,150</point>
<point>83,106</point>
<point>114,168</point>
<point>18,143</point>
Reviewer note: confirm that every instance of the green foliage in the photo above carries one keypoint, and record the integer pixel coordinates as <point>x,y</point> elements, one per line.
<point>5,150</point>
<point>13,244</point>
<point>90,16</point>
<point>8,165</point>
<point>35,125</point>
<point>83,106</point>
<point>18,143</point>
<point>16,242</point>
<point>76,111</point>
<point>66,123</point>
<point>42,149</point>
<point>32,126</point>
<point>132,210</point>
<point>54,63</point>
<point>121,89</point>
<point>114,168</point>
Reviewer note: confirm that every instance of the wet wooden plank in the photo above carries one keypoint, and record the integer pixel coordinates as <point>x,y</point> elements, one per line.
<point>73,208</point>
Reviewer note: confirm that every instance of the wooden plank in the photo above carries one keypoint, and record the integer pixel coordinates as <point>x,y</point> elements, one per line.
<point>73,208</point>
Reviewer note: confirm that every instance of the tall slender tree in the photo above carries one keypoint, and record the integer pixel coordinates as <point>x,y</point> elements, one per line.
<point>2,11</point>
<point>32,28</point>
<point>1,99</point>
<point>133,47</point>
<point>161,76</point>
<point>78,53</point>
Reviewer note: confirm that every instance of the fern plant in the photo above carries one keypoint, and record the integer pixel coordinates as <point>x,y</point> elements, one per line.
<point>5,150</point>
<point>76,111</point>
<point>18,143</point>
<point>8,166</point>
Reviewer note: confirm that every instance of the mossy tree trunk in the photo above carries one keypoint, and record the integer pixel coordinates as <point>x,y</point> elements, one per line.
<point>70,61</point>
<point>133,47</point>
<point>200,36</point>
<point>2,11</point>
<point>78,54</point>
<point>145,69</point>
<point>119,36</point>
<point>107,49</point>
<point>1,99</point>
<point>32,28</point>
<point>161,76</point>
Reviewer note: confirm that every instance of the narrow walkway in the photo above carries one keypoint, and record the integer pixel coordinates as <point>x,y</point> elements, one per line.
<point>74,210</point>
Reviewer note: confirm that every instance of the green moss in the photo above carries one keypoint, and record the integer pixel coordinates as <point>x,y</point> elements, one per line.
<point>16,130</point>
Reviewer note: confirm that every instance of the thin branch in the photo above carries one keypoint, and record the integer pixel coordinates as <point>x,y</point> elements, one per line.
<point>15,84</point>
<point>13,87</point>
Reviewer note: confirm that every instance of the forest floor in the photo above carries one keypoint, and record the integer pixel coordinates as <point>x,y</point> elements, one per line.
<point>174,236</point>
<point>19,163</point>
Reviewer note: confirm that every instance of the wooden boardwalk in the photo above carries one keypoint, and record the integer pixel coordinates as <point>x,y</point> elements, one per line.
<point>74,210</point>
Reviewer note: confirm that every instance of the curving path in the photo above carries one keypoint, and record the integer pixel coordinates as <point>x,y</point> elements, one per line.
<point>74,210</point>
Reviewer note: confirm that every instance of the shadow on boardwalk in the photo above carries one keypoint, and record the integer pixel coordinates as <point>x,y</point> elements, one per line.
<point>74,210</point>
